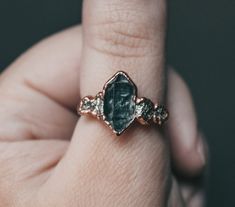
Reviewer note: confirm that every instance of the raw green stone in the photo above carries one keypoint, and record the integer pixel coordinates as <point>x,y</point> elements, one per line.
<point>119,102</point>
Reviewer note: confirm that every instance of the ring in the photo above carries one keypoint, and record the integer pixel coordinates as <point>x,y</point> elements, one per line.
<point>118,105</point>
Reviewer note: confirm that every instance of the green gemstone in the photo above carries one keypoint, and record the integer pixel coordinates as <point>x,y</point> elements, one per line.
<point>119,102</point>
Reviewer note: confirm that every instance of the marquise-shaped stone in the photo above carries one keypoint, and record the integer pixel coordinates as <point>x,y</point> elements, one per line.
<point>119,102</point>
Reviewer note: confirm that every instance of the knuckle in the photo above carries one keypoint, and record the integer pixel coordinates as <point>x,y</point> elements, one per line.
<point>123,33</point>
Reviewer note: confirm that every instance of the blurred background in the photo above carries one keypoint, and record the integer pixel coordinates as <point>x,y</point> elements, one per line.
<point>201,46</point>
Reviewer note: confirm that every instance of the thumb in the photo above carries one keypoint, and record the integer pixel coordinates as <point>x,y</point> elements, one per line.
<point>100,168</point>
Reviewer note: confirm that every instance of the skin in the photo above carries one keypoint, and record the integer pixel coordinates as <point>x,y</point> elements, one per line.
<point>51,157</point>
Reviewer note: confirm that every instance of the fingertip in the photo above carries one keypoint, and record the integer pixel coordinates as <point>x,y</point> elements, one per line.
<point>191,162</point>
<point>187,144</point>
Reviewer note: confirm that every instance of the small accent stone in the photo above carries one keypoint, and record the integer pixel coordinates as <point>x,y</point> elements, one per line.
<point>87,104</point>
<point>160,114</point>
<point>98,104</point>
<point>144,110</point>
<point>92,105</point>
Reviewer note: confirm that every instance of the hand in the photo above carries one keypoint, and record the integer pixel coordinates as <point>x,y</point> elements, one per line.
<point>50,158</point>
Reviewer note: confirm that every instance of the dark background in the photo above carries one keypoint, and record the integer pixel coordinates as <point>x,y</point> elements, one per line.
<point>201,46</point>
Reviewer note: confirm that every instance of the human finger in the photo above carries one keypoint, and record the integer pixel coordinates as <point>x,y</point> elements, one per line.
<point>40,90</point>
<point>188,146</point>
